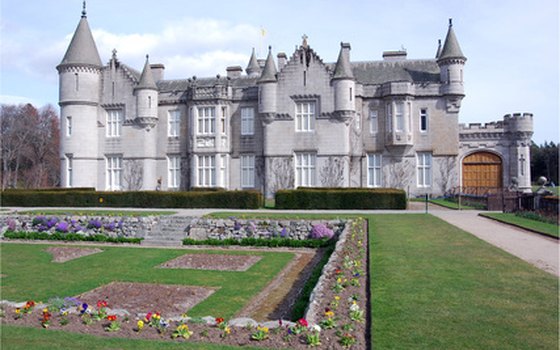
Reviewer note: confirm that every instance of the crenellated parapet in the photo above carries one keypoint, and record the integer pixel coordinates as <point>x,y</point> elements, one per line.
<point>519,125</point>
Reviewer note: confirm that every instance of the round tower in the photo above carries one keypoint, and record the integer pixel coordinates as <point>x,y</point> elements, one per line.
<point>518,128</point>
<point>268,84</point>
<point>344,85</point>
<point>451,63</point>
<point>79,96</point>
<point>147,116</point>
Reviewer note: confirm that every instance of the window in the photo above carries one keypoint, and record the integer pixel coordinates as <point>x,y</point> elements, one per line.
<point>373,122</point>
<point>389,118</point>
<point>173,123</point>
<point>77,81</point>
<point>247,171</point>
<point>114,121</point>
<point>114,172</point>
<point>399,117</point>
<point>424,170</point>
<point>305,169</point>
<point>206,168</point>
<point>174,171</point>
<point>206,120</point>
<point>223,171</point>
<point>423,119</point>
<point>68,126</point>
<point>305,116</point>
<point>374,162</point>
<point>69,166</point>
<point>223,125</point>
<point>247,121</point>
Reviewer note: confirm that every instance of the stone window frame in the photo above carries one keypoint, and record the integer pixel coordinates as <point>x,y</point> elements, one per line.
<point>206,170</point>
<point>374,170</point>
<point>113,171</point>
<point>173,171</point>
<point>114,121</point>
<point>173,122</point>
<point>247,168</point>
<point>305,169</point>
<point>424,162</point>
<point>247,121</point>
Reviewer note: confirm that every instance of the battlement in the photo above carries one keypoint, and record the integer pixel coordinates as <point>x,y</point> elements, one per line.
<point>518,122</point>
<point>491,126</point>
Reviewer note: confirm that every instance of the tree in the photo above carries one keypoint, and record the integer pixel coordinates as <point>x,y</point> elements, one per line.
<point>544,161</point>
<point>30,147</point>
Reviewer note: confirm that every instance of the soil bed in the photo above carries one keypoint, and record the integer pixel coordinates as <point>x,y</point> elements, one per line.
<point>141,298</point>
<point>220,262</point>
<point>64,254</point>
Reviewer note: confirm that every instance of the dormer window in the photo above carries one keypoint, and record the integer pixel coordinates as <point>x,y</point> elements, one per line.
<point>305,116</point>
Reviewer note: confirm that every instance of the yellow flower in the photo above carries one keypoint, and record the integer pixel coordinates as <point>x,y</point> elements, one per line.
<point>264,329</point>
<point>18,310</point>
<point>227,330</point>
<point>329,314</point>
<point>140,324</point>
<point>336,297</point>
<point>45,310</point>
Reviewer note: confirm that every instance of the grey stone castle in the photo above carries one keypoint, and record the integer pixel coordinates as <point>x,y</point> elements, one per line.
<point>283,123</point>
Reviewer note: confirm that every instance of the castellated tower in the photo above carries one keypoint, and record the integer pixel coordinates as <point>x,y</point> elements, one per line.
<point>451,62</point>
<point>79,98</point>
<point>147,117</point>
<point>344,85</point>
<point>518,128</point>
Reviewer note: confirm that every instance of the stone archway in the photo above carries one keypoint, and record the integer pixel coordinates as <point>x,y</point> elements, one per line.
<point>483,170</point>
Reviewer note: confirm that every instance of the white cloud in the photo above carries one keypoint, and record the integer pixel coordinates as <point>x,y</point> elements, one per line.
<point>16,100</point>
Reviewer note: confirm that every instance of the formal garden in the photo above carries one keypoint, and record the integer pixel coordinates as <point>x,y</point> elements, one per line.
<point>384,281</point>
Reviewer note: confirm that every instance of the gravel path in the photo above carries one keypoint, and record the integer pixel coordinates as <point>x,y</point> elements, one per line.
<point>538,250</point>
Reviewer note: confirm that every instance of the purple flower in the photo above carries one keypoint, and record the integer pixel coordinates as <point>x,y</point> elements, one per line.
<point>39,220</point>
<point>236,226</point>
<point>109,226</point>
<point>62,227</point>
<point>52,222</point>
<point>84,308</point>
<point>94,223</point>
<point>11,224</point>
<point>320,231</point>
<point>284,232</point>
<point>78,228</point>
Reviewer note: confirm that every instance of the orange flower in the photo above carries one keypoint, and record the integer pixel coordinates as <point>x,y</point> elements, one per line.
<point>112,318</point>
<point>219,320</point>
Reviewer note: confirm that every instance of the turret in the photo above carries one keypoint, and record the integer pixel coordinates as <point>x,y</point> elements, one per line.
<point>268,83</point>
<point>518,128</point>
<point>451,62</point>
<point>146,97</point>
<point>253,68</point>
<point>344,84</point>
<point>79,96</point>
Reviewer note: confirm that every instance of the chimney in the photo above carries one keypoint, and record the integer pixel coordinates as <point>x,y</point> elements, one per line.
<point>234,72</point>
<point>157,71</point>
<point>282,60</point>
<point>398,55</point>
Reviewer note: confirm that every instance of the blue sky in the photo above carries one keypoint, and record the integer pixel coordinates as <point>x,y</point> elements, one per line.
<point>512,46</point>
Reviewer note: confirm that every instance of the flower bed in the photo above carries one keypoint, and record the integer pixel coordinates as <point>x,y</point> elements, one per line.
<point>336,318</point>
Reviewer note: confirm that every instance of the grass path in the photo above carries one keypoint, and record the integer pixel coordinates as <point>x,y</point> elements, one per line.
<point>532,225</point>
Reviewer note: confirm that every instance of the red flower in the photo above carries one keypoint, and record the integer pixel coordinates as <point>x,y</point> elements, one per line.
<point>101,303</point>
<point>148,316</point>
<point>219,320</point>
<point>112,318</point>
<point>303,322</point>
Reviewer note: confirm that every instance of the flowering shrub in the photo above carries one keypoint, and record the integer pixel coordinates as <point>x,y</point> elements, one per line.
<point>114,325</point>
<point>300,326</point>
<point>46,319</point>
<point>62,227</point>
<point>182,330</point>
<point>260,334</point>
<point>321,231</point>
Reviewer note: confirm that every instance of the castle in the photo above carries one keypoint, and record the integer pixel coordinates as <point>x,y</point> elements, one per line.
<point>283,123</point>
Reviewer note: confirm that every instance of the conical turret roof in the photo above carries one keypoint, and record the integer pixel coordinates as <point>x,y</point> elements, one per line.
<point>451,48</point>
<point>342,70</point>
<point>253,67</point>
<point>82,49</point>
<point>147,78</point>
<point>269,71</point>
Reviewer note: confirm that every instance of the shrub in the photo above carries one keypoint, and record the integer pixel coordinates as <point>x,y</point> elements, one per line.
<point>321,231</point>
<point>341,198</point>
<point>261,242</point>
<point>57,236</point>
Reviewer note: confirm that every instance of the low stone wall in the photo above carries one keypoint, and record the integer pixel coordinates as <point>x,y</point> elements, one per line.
<point>134,227</point>
<point>201,229</point>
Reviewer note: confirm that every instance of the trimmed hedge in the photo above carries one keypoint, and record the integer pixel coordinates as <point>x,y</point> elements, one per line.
<point>262,242</point>
<point>57,236</point>
<point>137,199</point>
<point>341,198</point>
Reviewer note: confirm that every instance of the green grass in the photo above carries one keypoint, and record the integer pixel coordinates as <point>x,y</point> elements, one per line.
<point>437,287</point>
<point>450,204</point>
<point>24,338</point>
<point>95,212</point>
<point>533,225</point>
<point>32,275</point>
<point>554,190</point>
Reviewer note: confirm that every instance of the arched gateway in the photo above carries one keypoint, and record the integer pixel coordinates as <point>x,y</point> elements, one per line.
<point>482,169</point>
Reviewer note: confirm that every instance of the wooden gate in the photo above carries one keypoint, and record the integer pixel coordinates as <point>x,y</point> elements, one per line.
<point>483,170</point>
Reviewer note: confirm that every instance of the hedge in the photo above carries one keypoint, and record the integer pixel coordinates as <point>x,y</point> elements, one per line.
<point>57,236</point>
<point>135,199</point>
<point>341,198</point>
<point>262,242</point>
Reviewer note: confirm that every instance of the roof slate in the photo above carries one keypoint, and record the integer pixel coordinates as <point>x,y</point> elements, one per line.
<point>82,49</point>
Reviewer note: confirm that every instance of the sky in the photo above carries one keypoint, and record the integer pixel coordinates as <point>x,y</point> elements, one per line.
<point>512,46</point>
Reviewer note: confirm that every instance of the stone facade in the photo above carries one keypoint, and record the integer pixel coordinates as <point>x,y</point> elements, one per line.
<point>287,122</point>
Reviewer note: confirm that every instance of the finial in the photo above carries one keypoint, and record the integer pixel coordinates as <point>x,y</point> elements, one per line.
<point>269,48</point>
<point>114,54</point>
<point>84,13</point>
<point>304,41</point>
<point>147,57</point>
<point>451,22</point>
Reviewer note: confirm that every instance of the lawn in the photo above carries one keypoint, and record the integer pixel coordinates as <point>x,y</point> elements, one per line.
<point>452,205</point>
<point>533,225</point>
<point>30,274</point>
<point>437,287</point>
<point>433,286</point>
